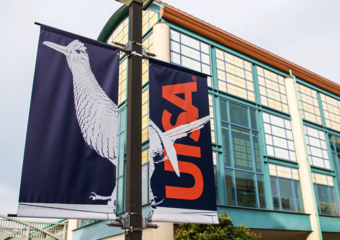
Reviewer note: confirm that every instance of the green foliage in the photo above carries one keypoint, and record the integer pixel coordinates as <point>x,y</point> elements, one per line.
<point>227,231</point>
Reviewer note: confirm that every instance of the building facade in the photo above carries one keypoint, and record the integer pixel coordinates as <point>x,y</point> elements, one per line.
<point>275,135</point>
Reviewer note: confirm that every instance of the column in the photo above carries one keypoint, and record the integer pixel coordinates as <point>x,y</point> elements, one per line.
<point>161,41</point>
<point>72,224</point>
<point>304,170</point>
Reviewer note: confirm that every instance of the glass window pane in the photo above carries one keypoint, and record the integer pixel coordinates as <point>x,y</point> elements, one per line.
<point>174,46</point>
<point>121,154</point>
<point>286,193</point>
<point>298,196</point>
<point>272,90</point>
<point>190,41</point>
<point>241,148</point>
<point>175,58</point>
<point>216,184</point>
<point>225,142</point>
<point>190,63</point>
<point>336,158</point>
<point>229,183</point>
<point>120,192</point>
<point>224,110</point>
<point>331,111</point>
<point>122,120</point>
<point>205,58</point>
<point>258,164</point>
<point>309,104</point>
<point>331,142</point>
<point>245,189</point>
<point>174,35</point>
<point>236,73</point>
<point>238,114</point>
<point>190,52</point>
<point>145,181</point>
<point>261,190</point>
<point>337,143</point>
<point>334,201</point>
<point>317,147</point>
<point>205,48</point>
<point>324,200</point>
<point>275,193</point>
<point>253,119</point>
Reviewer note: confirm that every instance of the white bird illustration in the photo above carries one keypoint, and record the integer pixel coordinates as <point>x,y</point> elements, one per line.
<point>160,141</point>
<point>96,113</point>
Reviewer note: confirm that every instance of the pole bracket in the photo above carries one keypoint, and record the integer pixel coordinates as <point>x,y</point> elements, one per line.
<point>127,49</point>
<point>124,223</point>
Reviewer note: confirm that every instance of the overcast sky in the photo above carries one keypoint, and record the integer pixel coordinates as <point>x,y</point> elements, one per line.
<point>304,32</point>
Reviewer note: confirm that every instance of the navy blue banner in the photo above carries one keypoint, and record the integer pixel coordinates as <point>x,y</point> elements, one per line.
<point>181,164</point>
<point>71,144</point>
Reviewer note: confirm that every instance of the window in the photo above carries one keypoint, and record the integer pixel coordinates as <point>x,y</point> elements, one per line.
<point>317,148</point>
<point>120,34</point>
<point>286,189</point>
<point>272,90</point>
<point>190,53</point>
<point>148,44</point>
<point>145,115</point>
<point>145,177</point>
<point>331,110</point>
<point>234,75</point>
<point>84,222</point>
<point>121,146</point>
<point>309,104</point>
<point>244,180</point>
<point>212,122</point>
<point>279,137</point>
<point>149,19</point>
<point>215,162</point>
<point>335,147</point>
<point>325,194</point>
<point>122,81</point>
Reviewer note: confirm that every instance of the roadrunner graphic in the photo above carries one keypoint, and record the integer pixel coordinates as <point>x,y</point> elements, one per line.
<point>160,141</point>
<point>96,112</point>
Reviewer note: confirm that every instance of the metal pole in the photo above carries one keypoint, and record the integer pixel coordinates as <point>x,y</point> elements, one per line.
<point>133,200</point>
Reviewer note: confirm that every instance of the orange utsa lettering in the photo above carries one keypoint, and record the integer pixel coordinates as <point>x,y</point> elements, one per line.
<point>192,193</point>
<point>191,112</point>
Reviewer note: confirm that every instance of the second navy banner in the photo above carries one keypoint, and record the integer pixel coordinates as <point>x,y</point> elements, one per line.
<point>182,187</point>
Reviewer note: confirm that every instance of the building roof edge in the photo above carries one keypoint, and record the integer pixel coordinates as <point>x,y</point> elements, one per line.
<point>203,28</point>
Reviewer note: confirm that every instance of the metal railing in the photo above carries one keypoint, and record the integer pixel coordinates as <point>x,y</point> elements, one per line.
<point>12,228</point>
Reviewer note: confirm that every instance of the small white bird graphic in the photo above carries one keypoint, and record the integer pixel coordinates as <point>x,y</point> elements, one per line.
<point>160,141</point>
<point>96,112</point>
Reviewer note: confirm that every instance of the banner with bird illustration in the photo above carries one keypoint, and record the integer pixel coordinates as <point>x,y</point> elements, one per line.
<point>69,168</point>
<point>182,187</point>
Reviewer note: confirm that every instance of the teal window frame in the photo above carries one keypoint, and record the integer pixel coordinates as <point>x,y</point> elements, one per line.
<point>225,75</point>
<point>146,182</point>
<point>180,43</point>
<point>331,195</point>
<point>120,168</point>
<point>216,177</point>
<point>324,149</point>
<point>294,192</point>
<point>232,168</point>
<point>336,160</point>
<point>287,139</point>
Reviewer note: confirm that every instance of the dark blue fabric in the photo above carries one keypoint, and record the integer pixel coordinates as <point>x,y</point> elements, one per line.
<point>164,74</point>
<point>59,167</point>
